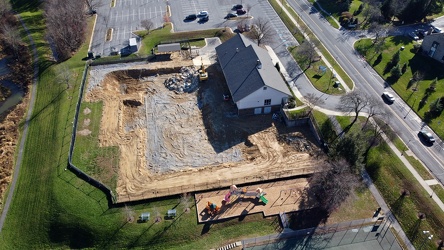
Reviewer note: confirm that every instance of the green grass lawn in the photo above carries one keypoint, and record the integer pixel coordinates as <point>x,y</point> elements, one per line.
<point>166,35</point>
<point>391,177</point>
<point>101,163</point>
<point>413,94</point>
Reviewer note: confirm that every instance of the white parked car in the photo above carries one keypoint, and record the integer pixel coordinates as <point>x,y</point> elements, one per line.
<point>203,13</point>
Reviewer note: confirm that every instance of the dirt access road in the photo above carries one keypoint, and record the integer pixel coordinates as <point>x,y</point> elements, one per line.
<point>171,142</point>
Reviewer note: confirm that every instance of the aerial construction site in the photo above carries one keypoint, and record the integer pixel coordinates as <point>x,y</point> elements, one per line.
<point>177,134</point>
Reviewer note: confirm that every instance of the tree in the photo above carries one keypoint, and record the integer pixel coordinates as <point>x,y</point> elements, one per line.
<point>248,8</point>
<point>377,29</point>
<point>11,37</point>
<point>92,5</point>
<point>5,8</point>
<point>333,186</point>
<point>396,72</point>
<point>392,8</point>
<point>307,53</point>
<point>64,75</point>
<point>129,213</point>
<point>157,216</point>
<point>261,31</point>
<point>313,101</point>
<point>354,101</point>
<point>148,25</point>
<point>371,11</point>
<point>374,108</point>
<point>396,58</point>
<point>185,202</point>
<point>66,26</point>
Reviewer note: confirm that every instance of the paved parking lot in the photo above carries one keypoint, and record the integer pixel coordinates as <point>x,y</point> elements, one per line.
<point>124,19</point>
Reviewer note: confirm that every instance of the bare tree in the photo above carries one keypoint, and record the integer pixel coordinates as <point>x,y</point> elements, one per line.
<point>92,5</point>
<point>354,101</point>
<point>374,108</point>
<point>11,37</point>
<point>313,100</point>
<point>5,7</point>
<point>66,26</point>
<point>148,25</point>
<point>185,201</point>
<point>333,186</point>
<point>248,8</point>
<point>261,31</point>
<point>64,75</point>
<point>372,11</point>
<point>377,29</point>
<point>307,53</point>
<point>129,213</point>
<point>243,25</point>
<point>157,216</point>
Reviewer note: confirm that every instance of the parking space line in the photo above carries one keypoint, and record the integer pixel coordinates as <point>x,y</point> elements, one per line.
<point>116,34</point>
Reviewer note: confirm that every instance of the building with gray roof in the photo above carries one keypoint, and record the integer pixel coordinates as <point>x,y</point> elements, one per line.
<point>256,86</point>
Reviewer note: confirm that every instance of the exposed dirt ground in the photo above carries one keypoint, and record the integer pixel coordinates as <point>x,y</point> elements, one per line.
<point>173,142</point>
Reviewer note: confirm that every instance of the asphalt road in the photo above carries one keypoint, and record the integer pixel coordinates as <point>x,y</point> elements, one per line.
<point>402,120</point>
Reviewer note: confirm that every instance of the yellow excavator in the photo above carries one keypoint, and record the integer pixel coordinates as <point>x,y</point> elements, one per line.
<point>203,75</point>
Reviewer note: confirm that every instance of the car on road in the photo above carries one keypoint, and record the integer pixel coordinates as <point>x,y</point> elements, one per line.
<point>413,36</point>
<point>231,15</point>
<point>191,17</point>
<point>388,97</point>
<point>428,137</point>
<point>241,11</point>
<point>203,13</point>
<point>237,6</point>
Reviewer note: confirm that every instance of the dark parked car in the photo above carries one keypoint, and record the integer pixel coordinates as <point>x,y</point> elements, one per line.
<point>427,136</point>
<point>191,17</point>
<point>231,15</point>
<point>238,6</point>
<point>241,11</point>
<point>204,19</point>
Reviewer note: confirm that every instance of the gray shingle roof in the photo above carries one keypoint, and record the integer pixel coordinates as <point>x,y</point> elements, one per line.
<point>238,58</point>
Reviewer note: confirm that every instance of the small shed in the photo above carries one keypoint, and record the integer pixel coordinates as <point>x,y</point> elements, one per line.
<point>171,47</point>
<point>132,42</point>
<point>145,217</point>
<point>171,213</point>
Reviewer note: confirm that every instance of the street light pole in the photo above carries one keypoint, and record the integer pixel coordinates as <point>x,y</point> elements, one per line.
<point>410,109</point>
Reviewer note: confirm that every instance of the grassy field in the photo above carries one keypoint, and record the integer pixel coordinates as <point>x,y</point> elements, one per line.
<point>413,94</point>
<point>166,35</point>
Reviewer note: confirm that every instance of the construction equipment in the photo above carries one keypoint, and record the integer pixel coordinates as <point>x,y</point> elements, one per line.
<point>203,75</point>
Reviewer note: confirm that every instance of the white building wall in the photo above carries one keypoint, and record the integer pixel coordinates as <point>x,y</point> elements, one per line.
<point>257,98</point>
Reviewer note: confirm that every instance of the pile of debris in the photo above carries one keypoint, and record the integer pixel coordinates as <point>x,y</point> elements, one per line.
<point>185,81</point>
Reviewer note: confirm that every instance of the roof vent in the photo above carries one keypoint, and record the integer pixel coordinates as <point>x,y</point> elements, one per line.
<point>258,64</point>
<point>237,49</point>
